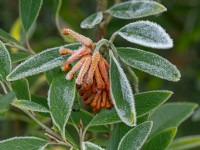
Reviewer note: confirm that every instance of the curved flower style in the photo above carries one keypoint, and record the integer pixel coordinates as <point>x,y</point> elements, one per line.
<point>92,80</point>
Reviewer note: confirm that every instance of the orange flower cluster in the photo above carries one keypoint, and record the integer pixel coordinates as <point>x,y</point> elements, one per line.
<point>92,80</point>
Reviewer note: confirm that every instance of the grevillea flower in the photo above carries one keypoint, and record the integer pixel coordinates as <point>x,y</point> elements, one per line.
<point>91,72</point>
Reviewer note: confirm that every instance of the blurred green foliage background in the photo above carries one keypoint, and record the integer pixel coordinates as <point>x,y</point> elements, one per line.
<point>181,21</point>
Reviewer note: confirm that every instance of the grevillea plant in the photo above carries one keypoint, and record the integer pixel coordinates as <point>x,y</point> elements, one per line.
<point>94,74</point>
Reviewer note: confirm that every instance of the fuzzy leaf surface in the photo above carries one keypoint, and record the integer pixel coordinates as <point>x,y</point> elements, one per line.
<point>7,37</point>
<point>23,143</point>
<point>28,105</point>
<point>135,138</point>
<point>121,93</point>
<point>91,146</point>
<point>60,100</point>
<point>150,63</point>
<point>147,34</point>
<point>41,62</point>
<point>5,61</point>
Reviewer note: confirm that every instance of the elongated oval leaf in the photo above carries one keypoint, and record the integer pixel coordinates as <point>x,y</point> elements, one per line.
<point>28,105</point>
<point>7,37</point>
<point>161,140</point>
<point>41,62</point>
<point>5,61</point>
<point>60,100</point>
<point>21,89</point>
<point>171,115</point>
<point>5,101</point>
<point>136,9</point>
<point>147,34</point>
<point>28,11</point>
<point>150,63</point>
<point>185,143</point>
<point>147,101</point>
<point>91,146</point>
<point>135,138</point>
<point>92,20</point>
<point>144,103</point>
<point>23,143</point>
<point>121,93</point>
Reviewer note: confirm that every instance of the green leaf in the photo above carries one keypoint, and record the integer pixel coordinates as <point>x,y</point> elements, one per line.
<point>144,103</point>
<point>23,143</point>
<point>136,9</point>
<point>147,34</point>
<point>5,61</point>
<point>28,105</point>
<point>184,143</point>
<point>116,135</point>
<point>19,56</point>
<point>5,101</point>
<point>171,115</point>
<point>161,140</point>
<point>91,146</point>
<point>29,11</point>
<point>86,118</point>
<point>142,118</point>
<point>7,37</point>
<point>121,93</point>
<point>135,138</point>
<point>105,117</point>
<point>51,74</point>
<point>41,62</point>
<point>196,115</point>
<point>76,105</point>
<point>92,20</point>
<point>60,100</point>
<point>150,63</point>
<point>21,89</point>
<point>147,101</point>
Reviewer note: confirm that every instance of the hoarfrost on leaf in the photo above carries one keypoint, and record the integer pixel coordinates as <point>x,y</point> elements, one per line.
<point>147,34</point>
<point>121,93</point>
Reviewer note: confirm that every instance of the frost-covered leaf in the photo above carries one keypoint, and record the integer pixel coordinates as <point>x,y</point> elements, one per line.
<point>92,20</point>
<point>196,115</point>
<point>185,143</point>
<point>5,61</point>
<point>51,74</point>
<point>23,143</point>
<point>136,9</point>
<point>171,115</point>
<point>147,34</point>
<point>60,100</point>
<point>91,146</point>
<point>121,93</point>
<point>147,101</point>
<point>29,11</point>
<point>7,37</point>
<point>28,105</point>
<point>150,63</point>
<point>86,118</point>
<point>19,56</point>
<point>5,101</point>
<point>161,140</point>
<point>41,62</point>
<point>135,138</point>
<point>21,89</point>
